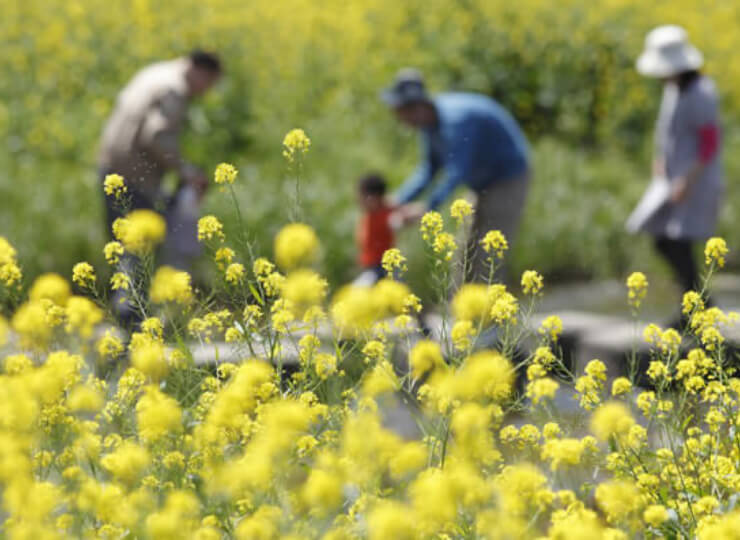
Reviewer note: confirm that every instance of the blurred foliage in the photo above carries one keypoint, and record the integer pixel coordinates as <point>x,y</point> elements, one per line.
<point>565,70</point>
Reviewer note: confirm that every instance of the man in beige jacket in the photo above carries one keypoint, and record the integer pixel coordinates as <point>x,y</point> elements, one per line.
<point>141,143</point>
<point>140,140</point>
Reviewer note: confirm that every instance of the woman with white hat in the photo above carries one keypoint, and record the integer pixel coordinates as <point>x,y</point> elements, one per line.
<point>687,150</point>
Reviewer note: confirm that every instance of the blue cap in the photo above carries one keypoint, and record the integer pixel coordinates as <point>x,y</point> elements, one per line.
<point>407,88</point>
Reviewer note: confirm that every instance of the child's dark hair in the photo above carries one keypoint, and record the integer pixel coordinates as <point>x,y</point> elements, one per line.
<point>372,184</point>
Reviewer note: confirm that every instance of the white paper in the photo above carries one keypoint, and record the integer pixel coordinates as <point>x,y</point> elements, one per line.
<point>655,198</point>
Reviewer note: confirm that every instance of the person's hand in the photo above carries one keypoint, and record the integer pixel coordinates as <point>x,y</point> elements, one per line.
<point>658,167</point>
<point>199,181</point>
<point>679,190</point>
<point>194,177</point>
<point>412,212</point>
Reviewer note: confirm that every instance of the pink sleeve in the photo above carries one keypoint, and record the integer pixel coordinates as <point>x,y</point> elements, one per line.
<point>708,142</point>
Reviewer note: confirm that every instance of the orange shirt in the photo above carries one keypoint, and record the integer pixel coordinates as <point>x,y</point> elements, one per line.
<point>374,237</point>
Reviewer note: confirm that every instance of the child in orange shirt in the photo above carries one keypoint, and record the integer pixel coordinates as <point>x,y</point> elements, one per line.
<point>374,233</point>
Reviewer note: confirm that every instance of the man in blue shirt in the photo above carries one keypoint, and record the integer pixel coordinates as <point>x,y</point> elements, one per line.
<point>478,144</point>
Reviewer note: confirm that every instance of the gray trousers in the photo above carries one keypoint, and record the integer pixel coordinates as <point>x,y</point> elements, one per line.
<point>498,207</point>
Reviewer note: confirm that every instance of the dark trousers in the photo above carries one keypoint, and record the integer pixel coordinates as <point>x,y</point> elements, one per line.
<point>680,256</point>
<point>121,301</point>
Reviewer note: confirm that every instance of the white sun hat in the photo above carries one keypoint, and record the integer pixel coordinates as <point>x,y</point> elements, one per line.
<point>668,53</point>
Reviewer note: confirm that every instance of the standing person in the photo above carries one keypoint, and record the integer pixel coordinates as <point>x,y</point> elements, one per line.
<point>687,150</point>
<point>477,143</point>
<point>140,142</point>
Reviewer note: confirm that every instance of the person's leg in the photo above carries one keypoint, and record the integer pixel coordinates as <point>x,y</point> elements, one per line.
<point>181,247</point>
<point>679,254</point>
<point>499,208</point>
<point>122,303</point>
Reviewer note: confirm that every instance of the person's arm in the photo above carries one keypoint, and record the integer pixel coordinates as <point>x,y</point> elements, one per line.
<point>421,177</point>
<point>458,168</point>
<point>659,164</point>
<point>704,120</point>
<point>160,136</point>
<point>708,145</point>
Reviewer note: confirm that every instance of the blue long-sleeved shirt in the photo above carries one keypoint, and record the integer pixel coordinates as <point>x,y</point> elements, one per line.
<point>476,141</point>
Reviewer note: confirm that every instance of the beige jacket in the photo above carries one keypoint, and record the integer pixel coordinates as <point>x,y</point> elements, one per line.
<point>140,140</point>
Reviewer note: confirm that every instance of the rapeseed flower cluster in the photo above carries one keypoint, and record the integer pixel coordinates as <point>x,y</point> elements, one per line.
<point>210,228</point>
<point>10,272</point>
<point>225,174</point>
<point>637,286</point>
<point>113,185</point>
<point>296,245</point>
<point>295,144</point>
<point>140,231</point>
<point>288,435</point>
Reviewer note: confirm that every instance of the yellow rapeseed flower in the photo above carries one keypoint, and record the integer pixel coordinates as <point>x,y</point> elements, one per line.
<point>157,415</point>
<point>637,285</point>
<point>295,144</point>
<point>10,274</point>
<point>462,335</point>
<point>472,303</point>
<point>460,209</point>
<point>113,184</point>
<point>83,274</point>
<point>121,281</point>
<point>393,262</point>
<point>82,316</point>
<point>322,492</point>
<point>325,365</point>
<point>431,226</point>
<point>425,356</point>
<point>611,419</point>
<point>304,288</point>
<point>234,273</point>
<point>532,282</point>
<point>127,462</point>
<point>296,245</point>
<point>552,327</point>
<point>621,386</point>
<point>655,515</point>
<point>140,231</point>
<point>715,251</point>
<point>149,358</point>
<point>50,286</point>
<point>391,520</point>
<point>691,302</point>
<point>223,257</point>
<point>542,388</point>
<point>444,244</point>
<point>209,227</point>
<point>113,251</point>
<point>494,242</point>
<point>619,499</point>
<point>109,346</point>
<point>225,173</point>
<point>7,252</point>
<point>170,285</point>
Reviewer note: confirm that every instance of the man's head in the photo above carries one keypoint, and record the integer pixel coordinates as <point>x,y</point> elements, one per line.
<point>409,100</point>
<point>371,191</point>
<point>203,72</point>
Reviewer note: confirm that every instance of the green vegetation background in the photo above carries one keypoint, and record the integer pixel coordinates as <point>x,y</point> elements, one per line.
<point>565,70</point>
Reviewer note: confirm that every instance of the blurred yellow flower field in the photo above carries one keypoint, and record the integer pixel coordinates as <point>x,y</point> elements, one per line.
<point>106,435</point>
